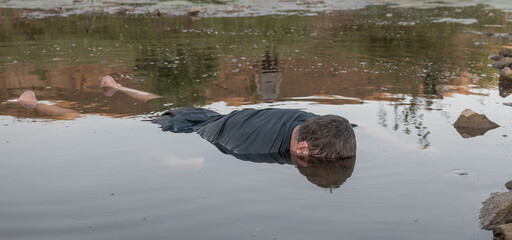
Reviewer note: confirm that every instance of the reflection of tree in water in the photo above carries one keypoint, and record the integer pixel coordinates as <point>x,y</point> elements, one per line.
<point>177,73</point>
<point>383,116</point>
<point>408,118</point>
<point>430,82</point>
<point>436,79</point>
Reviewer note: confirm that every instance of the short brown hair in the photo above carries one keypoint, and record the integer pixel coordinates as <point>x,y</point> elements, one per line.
<point>328,136</point>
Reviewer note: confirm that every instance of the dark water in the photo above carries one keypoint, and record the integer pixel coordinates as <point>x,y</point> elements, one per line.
<point>109,174</point>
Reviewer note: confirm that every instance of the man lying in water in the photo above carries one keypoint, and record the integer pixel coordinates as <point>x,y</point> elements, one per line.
<point>244,132</point>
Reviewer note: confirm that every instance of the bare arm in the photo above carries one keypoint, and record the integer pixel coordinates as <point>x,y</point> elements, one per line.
<point>28,100</point>
<point>110,87</point>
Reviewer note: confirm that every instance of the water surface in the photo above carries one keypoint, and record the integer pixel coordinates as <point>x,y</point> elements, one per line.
<point>402,74</point>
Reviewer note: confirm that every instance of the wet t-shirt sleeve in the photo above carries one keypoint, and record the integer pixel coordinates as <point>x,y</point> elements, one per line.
<point>251,131</point>
<point>186,119</point>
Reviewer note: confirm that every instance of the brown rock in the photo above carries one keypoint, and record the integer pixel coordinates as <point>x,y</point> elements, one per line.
<point>155,13</point>
<point>505,62</point>
<point>508,185</point>
<point>471,124</point>
<point>496,210</point>
<point>506,52</point>
<point>469,118</point>
<point>194,11</point>
<point>503,232</point>
<point>506,72</point>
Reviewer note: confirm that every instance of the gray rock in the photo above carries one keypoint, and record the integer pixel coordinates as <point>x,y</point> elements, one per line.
<point>496,210</point>
<point>508,185</point>
<point>505,62</point>
<point>503,232</point>
<point>506,72</point>
<point>506,52</point>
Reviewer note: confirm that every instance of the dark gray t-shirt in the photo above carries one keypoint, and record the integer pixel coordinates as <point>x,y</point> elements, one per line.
<point>247,131</point>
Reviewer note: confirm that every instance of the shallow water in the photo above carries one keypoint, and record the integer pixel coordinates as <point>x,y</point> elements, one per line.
<point>110,174</point>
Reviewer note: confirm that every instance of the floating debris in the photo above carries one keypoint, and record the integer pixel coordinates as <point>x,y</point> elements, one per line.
<point>461,172</point>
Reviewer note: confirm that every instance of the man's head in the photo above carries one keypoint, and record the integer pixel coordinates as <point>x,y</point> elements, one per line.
<point>326,136</point>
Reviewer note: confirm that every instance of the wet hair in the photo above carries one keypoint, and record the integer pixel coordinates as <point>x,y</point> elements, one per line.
<point>328,136</point>
<point>328,173</point>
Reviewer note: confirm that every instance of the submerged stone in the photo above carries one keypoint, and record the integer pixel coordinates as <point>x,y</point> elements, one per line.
<point>503,232</point>
<point>471,124</point>
<point>496,210</point>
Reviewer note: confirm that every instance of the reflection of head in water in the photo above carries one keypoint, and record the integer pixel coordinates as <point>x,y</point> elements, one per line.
<point>325,173</point>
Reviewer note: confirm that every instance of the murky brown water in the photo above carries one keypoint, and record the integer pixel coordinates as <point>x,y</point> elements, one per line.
<point>403,79</point>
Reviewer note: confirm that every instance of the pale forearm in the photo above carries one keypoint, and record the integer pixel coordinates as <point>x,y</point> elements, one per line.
<point>54,111</point>
<point>138,95</point>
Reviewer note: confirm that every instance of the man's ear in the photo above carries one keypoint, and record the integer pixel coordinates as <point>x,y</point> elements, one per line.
<point>303,148</point>
<point>302,160</point>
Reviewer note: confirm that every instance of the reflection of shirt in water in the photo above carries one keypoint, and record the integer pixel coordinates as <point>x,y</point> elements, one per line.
<point>244,132</point>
